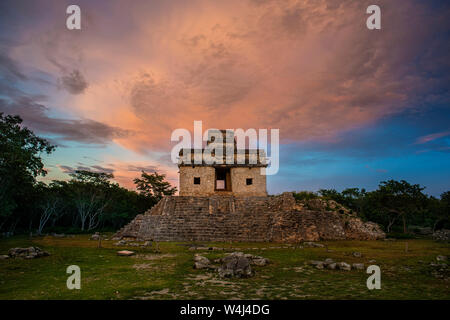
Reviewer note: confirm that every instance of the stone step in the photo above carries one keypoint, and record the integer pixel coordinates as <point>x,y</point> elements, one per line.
<point>229,218</point>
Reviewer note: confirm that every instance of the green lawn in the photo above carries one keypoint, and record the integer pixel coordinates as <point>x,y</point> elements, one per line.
<point>168,274</point>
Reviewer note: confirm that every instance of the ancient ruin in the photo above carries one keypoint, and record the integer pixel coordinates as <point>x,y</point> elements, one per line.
<point>237,172</point>
<point>229,202</point>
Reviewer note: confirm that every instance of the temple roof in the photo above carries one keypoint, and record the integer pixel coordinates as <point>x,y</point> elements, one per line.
<point>235,157</point>
<point>231,155</point>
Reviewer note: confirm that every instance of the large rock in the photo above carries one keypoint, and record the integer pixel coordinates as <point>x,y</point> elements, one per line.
<point>442,235</point>
<point>259,261</point>
<point>27,253</point>
<point>331,266</point>
<point>201,262</point>
<point>356,229</point>
<point>125,253</point>
<point>344,266</point>
<point>255,260</point>
<point>358,266</point>
<point>235,265</point>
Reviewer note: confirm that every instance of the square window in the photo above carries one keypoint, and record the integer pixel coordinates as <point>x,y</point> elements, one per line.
<point>249,181</point>
<point>220,184</point>
<point>196,180</point>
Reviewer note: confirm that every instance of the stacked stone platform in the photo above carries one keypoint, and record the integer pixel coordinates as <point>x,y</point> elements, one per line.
<point>231,218</point>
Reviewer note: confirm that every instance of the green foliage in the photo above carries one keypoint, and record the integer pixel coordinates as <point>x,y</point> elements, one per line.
<point>154,185</point>
<point>401,235</point>
<point>394,201</point>
<point>92,201</point>
<point>20,164</point>
<point>305,195</point>
<point>89,200</point>
<point>394,205</point>
<point>406,275</point>
<point>350,197</point>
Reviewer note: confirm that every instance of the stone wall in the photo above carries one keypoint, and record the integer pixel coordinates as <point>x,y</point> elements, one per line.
<point>207,179</point>
<point>230,218</point>
<point>239,185</point>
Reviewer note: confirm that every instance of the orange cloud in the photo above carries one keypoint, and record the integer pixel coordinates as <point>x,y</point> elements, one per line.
<point>310,68</point>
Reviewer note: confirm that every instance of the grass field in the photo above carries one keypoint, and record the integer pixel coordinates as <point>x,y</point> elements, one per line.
<point>169,274</point>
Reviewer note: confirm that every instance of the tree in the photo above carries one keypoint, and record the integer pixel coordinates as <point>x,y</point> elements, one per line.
<point>154,185</point>
<point>20,164</point>
<point>397,200</point>
<point>351,197</point>
<point>90,196</point>
<point>442,213</point>
<point>49,205</point>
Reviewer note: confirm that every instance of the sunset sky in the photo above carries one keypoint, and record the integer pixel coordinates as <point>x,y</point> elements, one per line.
<point>354,106</point>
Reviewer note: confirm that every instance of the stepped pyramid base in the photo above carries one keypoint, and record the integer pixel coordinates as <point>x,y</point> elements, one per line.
<point>231,218</point>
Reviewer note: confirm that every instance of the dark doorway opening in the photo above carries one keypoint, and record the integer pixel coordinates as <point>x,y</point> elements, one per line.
<point>223,179</point>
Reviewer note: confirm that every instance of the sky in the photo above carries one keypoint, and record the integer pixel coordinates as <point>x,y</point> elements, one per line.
<point>354,106</point>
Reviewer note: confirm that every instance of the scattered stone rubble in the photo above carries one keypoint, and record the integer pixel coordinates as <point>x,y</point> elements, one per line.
<point>440,269</point>
<point>332,265</point>
<point>319,204</point>
<point>236,264</point>
<point>313,245</point>
<point>26,253</point>
<point>133,244</point>
<point>442,235</point>
<point>201,262</point>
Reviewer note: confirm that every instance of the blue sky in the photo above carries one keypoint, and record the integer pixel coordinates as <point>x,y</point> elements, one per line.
<point>354,106</point>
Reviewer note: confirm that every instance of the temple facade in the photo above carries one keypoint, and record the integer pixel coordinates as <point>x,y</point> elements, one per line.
<point>233,171</point>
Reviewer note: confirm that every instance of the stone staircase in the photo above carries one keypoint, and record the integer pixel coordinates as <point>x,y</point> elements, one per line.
<point>230,218</point>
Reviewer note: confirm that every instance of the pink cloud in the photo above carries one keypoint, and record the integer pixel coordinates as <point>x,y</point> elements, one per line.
<point>431,137</point>
<point>310,68</point>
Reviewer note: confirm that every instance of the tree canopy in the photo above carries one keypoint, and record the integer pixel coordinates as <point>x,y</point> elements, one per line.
<point>154,184</point>
<point>20,162</point>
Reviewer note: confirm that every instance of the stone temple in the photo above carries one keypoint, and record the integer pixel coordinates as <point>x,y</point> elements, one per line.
<point>222,175</point>
<point>227,201</point>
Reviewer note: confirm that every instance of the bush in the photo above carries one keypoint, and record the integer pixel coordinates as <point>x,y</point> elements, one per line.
<point>305,195</point>
<point>400,235</point>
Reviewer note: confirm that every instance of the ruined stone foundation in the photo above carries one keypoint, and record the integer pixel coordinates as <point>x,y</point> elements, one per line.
<point>231,218</point>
